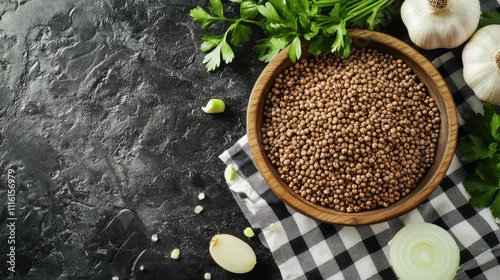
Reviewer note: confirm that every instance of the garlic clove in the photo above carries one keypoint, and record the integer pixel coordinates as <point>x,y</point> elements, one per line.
<point>481,61</point>
<point>232,253</point>
<point>230,173</point>
<point>214,106</point>
<point>436,24</point>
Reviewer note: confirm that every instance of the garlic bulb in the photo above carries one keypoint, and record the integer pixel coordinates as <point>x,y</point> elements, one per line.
<point>436,24</point>
<point>232,253</point>
<point>481,59</point>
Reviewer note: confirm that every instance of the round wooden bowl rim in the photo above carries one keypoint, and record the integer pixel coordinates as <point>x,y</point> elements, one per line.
<point>437,88</point>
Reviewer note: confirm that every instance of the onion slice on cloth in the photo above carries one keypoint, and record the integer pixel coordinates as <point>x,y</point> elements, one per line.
<point>424,251</point>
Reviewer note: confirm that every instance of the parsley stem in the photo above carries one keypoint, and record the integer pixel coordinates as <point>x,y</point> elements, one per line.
<point>360,12</point>
<point>325,3</point>
<point>236,20</point>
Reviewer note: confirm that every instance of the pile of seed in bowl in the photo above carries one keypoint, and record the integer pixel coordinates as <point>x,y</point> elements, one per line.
<point>351,134</point>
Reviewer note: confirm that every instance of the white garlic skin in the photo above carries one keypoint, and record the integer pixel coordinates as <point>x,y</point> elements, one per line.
<point>481,60</point>
<point>232,253</point>
<point>447,27</point>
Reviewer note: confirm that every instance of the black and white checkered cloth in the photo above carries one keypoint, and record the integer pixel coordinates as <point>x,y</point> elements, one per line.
<point>304,248</point>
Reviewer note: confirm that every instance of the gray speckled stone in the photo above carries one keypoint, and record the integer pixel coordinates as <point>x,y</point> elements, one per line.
<point>100,118</point>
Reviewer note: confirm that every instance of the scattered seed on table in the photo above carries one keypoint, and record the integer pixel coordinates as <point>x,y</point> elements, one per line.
<point>201,196</point>
<point>175,254</point>
<point>154,237</point>
<point>198,209</point>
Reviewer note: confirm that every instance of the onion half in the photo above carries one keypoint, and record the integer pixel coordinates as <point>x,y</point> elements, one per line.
<point>424,251</point>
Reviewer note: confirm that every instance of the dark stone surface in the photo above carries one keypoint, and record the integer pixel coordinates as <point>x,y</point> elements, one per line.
<point>100,119</point>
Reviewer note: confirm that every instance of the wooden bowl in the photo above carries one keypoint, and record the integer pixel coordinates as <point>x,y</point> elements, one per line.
<point>437,88</point>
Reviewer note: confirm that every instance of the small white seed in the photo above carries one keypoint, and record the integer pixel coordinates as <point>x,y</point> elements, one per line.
<point>207,276</point>
<point>198,209</point>
<point>154,237</point>
<point>201,196</point>
<point>272,227</point>
<point>176,253</point>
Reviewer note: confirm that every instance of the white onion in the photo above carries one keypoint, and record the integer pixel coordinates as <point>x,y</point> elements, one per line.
<point>424,251</point>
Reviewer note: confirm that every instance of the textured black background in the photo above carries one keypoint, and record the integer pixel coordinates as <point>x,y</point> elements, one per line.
<point>100,118</point>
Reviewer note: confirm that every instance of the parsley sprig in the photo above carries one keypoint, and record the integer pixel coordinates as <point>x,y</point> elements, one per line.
<point>286,23</point>
<point>490,17</point>
<point>481,147</point>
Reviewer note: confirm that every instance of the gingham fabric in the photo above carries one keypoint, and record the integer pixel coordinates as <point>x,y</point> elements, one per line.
<point>306,249</point>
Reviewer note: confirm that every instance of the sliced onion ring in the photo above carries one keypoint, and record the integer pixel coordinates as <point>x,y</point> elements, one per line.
<point>424,251</point>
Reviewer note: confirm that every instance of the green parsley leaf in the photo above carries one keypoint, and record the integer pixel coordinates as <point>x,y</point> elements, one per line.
<point>216,7</point>
<point>240,33</point>
<point>479,124</point>
<point>304,21</point>
<point>495,207</point>
<point>248,10</point>
<point>322,22</point>
<point>295,50</point>
<point>268,48</point>
<point>314,31</point>
<point>474,148</point>
<point>212,59</point>
<point>287,15</point>
<point>210,42</point>
<point>220,49</point>
<point>373,19</point>
<point>200,15</point>
<point>320,44</point>
<point>278,30</point>
<point>340,32</point>
<point>487,18</point>
<point>346,51</point>
<point>495,127</point>
<point>226,52</point>
<point>488,170</point>
<point>481,147</point>
<point>482,193</point>
<point>270,13</point>
<point>489,111</point>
